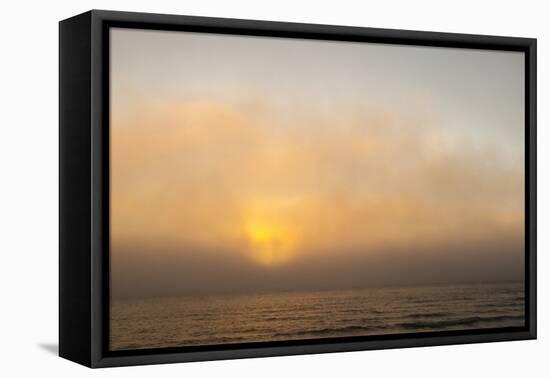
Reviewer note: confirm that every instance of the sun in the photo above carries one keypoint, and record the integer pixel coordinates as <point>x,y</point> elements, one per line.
<point>270,243</point>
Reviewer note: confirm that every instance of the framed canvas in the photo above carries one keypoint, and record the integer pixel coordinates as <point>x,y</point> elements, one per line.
<point>235,188</point>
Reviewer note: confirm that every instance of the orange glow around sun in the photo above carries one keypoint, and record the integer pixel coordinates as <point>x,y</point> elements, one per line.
<point>270,243</point>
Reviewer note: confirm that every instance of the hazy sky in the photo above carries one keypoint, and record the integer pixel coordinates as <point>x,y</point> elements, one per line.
<point>252,163</point>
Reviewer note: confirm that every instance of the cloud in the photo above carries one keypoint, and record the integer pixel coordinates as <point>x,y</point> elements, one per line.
<point>191,176</point>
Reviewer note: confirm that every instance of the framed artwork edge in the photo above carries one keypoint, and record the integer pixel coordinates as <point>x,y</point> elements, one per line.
<point>84,190</point>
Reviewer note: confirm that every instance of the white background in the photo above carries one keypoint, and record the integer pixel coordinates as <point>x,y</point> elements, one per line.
<point>29,187</point>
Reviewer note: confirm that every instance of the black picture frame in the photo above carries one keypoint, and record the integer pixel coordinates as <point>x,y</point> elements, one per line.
<point>84,186</point>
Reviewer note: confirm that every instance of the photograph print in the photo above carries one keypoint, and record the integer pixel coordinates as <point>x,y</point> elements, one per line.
<point>267,189</point>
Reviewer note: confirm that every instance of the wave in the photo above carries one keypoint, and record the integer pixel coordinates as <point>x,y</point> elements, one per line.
<point>428,315</point>
<point>289,318</point>
<point>458,322</point>
<point>506,304</point>
<point>329,331</point>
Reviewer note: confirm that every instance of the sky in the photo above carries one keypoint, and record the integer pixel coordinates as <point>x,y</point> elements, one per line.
<point>244,164</point>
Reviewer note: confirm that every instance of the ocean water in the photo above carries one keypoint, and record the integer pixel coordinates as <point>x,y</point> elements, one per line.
<point>223,319</point>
